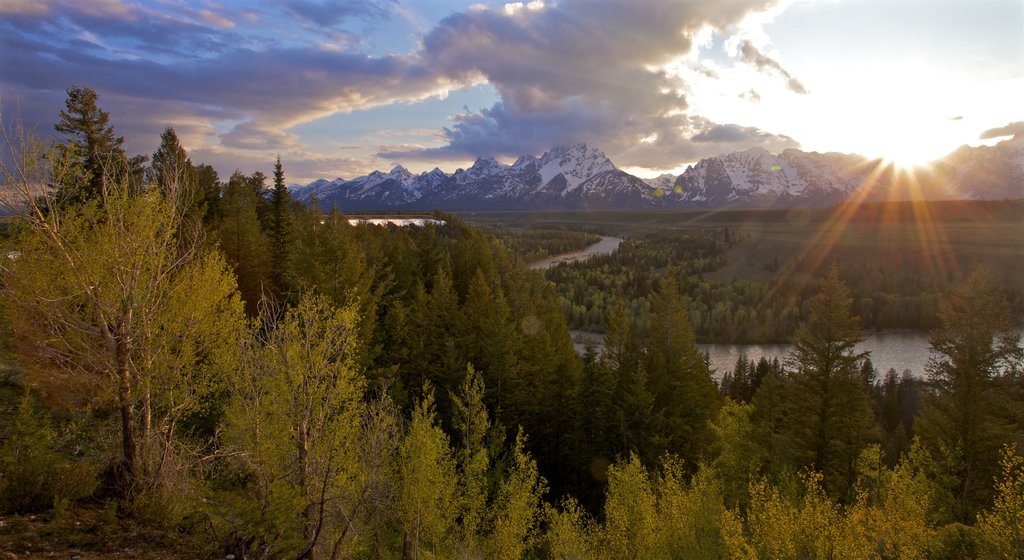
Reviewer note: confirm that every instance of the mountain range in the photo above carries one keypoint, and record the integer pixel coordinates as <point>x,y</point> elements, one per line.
<point>581,177</point>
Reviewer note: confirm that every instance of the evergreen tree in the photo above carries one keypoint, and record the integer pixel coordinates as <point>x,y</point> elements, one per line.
<point>473,459</point>
<point>280,235</point>
<point>171,171</point>
<point>829,417</point>
<point>962,419</point>
<point>241,238</point>
<point>632,403</point>
<point>93,149</point>
<point>208,188</point>
<point>685,396</point>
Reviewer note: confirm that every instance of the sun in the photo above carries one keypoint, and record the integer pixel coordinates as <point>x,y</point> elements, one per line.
<point>911,153</point>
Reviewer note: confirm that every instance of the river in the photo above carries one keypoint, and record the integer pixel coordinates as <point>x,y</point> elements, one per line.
<point>897,350</point>
<point>606,245</point>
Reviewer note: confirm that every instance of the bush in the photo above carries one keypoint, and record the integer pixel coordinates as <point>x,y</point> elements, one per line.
<point>34,476</point>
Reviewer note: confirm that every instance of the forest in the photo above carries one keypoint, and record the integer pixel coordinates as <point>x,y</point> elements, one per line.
<point>198,367</point>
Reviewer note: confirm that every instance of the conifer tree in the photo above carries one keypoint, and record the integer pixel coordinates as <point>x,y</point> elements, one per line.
<point>472,426</point>
<point>685,396</point>
<point>94,148</point>
<point>829,411</point>
<point>963,419</point>
<point>280,234</point>
<point>171,171</point>
<point>242,240</point>
<point>633,403</point>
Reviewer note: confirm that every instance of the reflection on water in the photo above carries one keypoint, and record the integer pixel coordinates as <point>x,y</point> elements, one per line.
<point>899,350</point>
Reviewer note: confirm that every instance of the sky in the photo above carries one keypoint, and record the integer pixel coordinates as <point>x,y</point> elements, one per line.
<point>339,88</point>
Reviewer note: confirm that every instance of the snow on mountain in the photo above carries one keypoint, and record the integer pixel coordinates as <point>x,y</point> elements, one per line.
<point>664,182</point>
<point>579,177</point>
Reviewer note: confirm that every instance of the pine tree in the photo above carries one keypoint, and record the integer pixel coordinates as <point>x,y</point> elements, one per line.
<point>92,145</point>
<point>472,427</point>
<point>829,413</point>
<point>960,422</point>
<point>171,171</point>
<point>208,187</point>
<point>685,396</point>
<point>632,402</point>
<point>241,238</point>
<point>280,234</point>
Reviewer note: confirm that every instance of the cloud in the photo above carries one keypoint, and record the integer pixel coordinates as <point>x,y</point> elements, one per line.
<point>234,81</point>
<point>750,55</point>
<point>216,19</point>
<point>576,71</point>
<point>328,13</point>
<point>736,134</point>
<point>1011,129</point>
<point>751,95</point>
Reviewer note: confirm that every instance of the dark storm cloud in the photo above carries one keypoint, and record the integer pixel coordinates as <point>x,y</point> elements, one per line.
<point>1011,129</point>
<point>750,55</point>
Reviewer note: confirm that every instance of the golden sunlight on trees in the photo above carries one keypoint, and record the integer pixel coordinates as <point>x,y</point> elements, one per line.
<point>295,418</point>
<point>114,302</point>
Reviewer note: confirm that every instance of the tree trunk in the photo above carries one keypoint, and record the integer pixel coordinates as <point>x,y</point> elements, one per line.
<point>128,444</point>
<point>309,513</point>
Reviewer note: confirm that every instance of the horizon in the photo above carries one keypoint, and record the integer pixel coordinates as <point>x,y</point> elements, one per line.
<point>340,89</point>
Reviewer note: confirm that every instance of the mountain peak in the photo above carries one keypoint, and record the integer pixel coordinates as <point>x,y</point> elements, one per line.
<point>484,165</point>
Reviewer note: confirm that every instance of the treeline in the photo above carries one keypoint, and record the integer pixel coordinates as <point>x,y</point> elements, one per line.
<point>535,243</point>
<point>885,295</point>
<point>216,360</point>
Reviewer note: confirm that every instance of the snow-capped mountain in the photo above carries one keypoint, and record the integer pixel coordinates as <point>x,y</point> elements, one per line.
<point>757,178</point>
<point>581,177</point>
<point>565,177</point>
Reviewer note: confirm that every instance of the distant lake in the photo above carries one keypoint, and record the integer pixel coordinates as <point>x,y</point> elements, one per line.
<point>898,350</point>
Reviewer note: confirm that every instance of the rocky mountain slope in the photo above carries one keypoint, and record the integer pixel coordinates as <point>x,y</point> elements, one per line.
<point>581,177</point>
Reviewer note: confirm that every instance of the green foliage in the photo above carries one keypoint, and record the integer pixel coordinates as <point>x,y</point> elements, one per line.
<point>279,232</point>
<point>685,397</point>
<point>1002,527</point>
<point>516,511</point>
<point>740,453</point>
<point>295,416</point>
<point>471,425</point>
<point>241,238</point>
<point>172,172</point>
<point>34,474</point>
<point>966,418</point>
<point>96,152</point>
<point>828,415</point>
<point>427,501</point>
<point>113,304</point>
<point>535,243</point>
